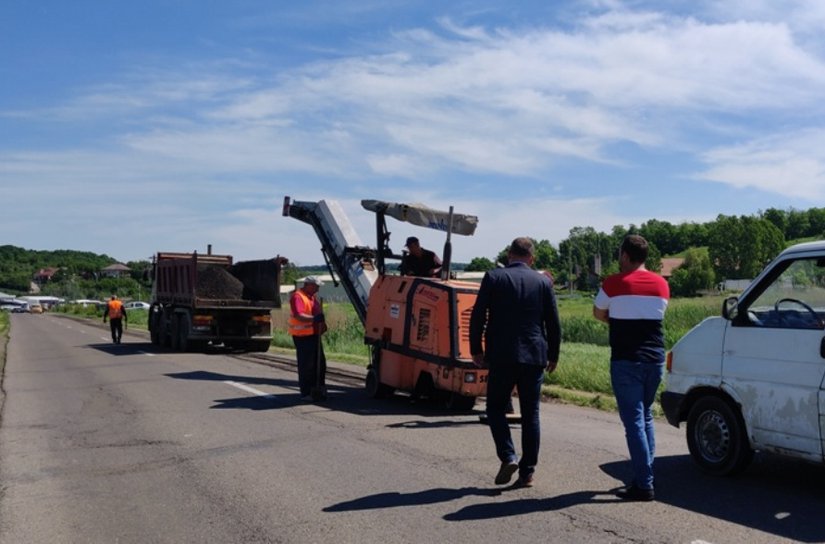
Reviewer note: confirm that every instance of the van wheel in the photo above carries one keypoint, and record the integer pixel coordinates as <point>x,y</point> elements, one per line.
<point>716,437</point>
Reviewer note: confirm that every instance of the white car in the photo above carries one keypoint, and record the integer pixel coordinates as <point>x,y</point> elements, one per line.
<point>137,305</point>
<point>753,378</point>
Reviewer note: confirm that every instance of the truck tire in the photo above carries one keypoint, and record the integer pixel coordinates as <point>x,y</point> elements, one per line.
<point>184,344</point>
<point>261,346</point>
<point>717,438</point>
<point>154,328</point>
<point>163,329</point>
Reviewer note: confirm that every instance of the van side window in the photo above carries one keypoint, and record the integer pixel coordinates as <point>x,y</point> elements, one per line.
<point>795,299</point>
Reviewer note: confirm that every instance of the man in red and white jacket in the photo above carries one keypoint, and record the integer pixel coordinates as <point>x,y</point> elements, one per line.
<point>633,304</point>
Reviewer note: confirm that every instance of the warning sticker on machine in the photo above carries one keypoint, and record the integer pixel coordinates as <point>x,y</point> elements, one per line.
<point>395,311</point>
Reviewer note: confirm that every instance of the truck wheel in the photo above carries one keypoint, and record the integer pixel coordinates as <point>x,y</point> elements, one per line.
<point>184,344</point>
<point>716,437</point>
<point>258,345</point>
<point>163,329</point>
<point>154,328</point>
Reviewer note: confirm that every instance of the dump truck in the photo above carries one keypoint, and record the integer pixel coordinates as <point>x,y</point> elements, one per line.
<point>204,300</point>
<point>418,328</point>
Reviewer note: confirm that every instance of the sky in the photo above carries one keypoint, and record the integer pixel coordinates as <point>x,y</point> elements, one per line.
<point>128,128</point>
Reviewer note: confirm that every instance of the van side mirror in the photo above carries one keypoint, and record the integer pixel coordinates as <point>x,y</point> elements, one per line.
<point>730,308</point>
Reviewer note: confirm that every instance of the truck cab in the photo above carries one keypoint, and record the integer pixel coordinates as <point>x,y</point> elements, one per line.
<point>752,379</point>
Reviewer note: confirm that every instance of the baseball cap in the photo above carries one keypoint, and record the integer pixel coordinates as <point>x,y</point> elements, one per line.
<point>313,279</point>
<point>411,240</point>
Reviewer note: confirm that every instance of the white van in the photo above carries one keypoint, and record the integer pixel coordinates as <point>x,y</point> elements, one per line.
<point>753,378</point>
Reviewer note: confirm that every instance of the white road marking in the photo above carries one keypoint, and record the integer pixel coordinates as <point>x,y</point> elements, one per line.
<point>146,353</point>
<point>700,542</point>
<point>252,390</point>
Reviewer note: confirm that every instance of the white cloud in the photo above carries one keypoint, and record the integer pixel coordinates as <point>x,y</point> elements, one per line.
<point>790,164</point>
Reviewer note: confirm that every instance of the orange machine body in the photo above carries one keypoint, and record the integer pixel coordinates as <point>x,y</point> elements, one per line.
<point>422,327</point>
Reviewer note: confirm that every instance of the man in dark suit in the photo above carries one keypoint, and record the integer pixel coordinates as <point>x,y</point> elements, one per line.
<point>516,313</point>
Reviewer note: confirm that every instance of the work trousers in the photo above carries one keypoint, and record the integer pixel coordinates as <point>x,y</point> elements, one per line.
<point>308,349</point>
<point>116,325</point>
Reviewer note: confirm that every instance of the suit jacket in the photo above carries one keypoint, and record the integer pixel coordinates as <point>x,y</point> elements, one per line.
<point>516,313</point>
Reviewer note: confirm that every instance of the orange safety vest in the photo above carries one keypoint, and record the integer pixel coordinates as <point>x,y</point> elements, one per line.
<point>115,309</point>
<point>296,326</point>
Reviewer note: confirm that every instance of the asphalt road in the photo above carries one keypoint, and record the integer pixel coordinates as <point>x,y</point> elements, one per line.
<point>131,444</point>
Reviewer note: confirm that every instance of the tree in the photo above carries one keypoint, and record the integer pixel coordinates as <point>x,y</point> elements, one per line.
<point>739,247</point>
<point>695,273</point>
<point>480,264</point>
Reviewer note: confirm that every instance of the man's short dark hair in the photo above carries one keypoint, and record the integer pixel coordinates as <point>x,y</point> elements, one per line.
<point>636,248</point>
<point>521,247</point>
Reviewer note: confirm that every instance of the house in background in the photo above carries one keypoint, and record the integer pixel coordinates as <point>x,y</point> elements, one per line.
<point>45,275</point>
<point>670,264</point>
<point>116,270</point>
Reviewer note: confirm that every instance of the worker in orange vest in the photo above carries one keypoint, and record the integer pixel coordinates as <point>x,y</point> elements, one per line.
<point>116,314</point>
<point>306,325</point>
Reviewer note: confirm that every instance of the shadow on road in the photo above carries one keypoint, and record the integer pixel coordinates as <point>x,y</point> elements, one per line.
<point>775,495</point>
<point>395,500</point>
<point>340,397</point>
<point>126,348</point>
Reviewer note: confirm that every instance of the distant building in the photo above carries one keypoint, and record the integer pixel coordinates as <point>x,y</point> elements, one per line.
<point>669,265</point>
<point>116,270</point>
<point>45,274</point>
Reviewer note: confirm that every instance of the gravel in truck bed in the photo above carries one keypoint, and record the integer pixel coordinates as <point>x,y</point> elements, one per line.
<point>215,282</point>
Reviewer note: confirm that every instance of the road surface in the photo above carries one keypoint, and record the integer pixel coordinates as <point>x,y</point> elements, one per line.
<point>132,444</point>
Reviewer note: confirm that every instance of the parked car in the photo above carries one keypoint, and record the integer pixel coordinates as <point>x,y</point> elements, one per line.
<point>754,378</point>
<point>137,305</point>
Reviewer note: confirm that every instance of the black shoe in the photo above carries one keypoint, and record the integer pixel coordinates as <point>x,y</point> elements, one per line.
<point>633,493</point>
<point>505,472</point>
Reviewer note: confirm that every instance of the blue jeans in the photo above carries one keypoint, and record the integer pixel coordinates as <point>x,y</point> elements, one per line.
<point>500,382</point>
<point>634,384</point>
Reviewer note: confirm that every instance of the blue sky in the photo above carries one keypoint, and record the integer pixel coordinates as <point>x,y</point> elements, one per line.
<point>128,127</point>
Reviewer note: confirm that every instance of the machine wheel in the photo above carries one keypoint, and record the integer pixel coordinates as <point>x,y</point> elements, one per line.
<point>716,437</point>
<point>457,402</point>
<point>375,389</point>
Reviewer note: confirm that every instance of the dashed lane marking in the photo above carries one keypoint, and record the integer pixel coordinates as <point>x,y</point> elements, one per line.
<point>252,390</point>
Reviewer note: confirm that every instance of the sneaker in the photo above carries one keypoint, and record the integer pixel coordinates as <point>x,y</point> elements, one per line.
<point>505,472</point>
<point>633,493</point>
<point>523,481</point>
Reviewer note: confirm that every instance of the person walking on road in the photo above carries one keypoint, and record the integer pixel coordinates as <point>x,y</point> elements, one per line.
<point>306,325</point>
<point>116,314</point>
<point>516,314</point>
<point>633,304</point>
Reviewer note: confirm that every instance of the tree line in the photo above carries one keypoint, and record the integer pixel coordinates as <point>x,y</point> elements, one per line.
<point>730,247</point>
